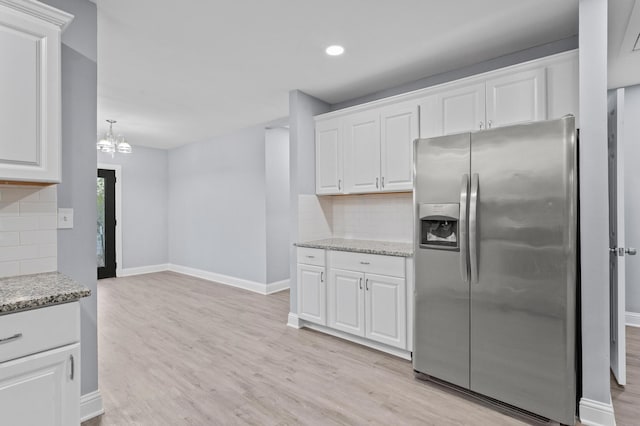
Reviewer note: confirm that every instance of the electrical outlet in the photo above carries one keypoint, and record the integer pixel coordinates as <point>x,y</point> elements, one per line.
<point>65,218</point>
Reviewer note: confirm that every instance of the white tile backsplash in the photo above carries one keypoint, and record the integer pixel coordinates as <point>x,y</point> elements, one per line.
<point>383,217</point>
<point>28,230</point>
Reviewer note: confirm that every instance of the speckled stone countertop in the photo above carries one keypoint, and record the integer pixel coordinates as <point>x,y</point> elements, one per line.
<point>386,248</point>
<point>37,291</point>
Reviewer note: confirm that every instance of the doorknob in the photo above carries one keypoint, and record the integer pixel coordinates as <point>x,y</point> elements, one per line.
<point>631,251</point>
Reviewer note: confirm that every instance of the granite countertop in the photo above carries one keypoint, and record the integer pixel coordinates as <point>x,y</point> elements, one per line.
<point>38,290</point>
<point>387,248</point>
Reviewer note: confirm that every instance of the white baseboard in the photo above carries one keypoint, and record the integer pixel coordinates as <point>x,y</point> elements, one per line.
<point>128,272</point>
<point>633,319</point>
<point>91,405</point>
<point>277,286</point>
<point>401,353</point>
<point>596,413</point>
<point>293,320</point>
<point>254,286</point>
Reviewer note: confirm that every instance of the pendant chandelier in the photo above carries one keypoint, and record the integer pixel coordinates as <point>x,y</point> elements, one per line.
<point>111,143</point>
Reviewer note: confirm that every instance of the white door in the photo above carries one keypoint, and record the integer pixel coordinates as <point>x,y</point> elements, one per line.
<point>617,246</point>
<point>312,294</point>
<point>386,310</point>
<point>453,111</point>
<point>362,152</point>
<point>42,389</point>
<point>346,301</point>
<point>399,128</point>
<point>517,98</point>
<point>329,157</point>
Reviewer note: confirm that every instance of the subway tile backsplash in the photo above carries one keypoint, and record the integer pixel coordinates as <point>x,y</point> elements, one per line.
<point>382,217</point>
<point>28,230</point>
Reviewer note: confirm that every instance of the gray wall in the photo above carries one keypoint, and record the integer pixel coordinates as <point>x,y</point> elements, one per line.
<point>302,169</point>
<point>490,65</point>
<point>145,188</point>
<point>277,203</point>
<point>217,210</point>
<point>594,214</point>
<point>631,137</point>
<point>76,247</point>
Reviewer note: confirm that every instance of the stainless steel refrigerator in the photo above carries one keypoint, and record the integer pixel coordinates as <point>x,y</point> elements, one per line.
<point>495,264</point>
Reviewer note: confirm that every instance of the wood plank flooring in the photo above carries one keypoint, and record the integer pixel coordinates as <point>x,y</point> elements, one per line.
<point>626,401</point>
<point>177,350</point>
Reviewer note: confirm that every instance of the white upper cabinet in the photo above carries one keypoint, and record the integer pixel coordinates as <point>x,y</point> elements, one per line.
<point>399,128</point>
<point>362,152</point>
<point>329,156</point>
<point>453,110</point>
<point>30,34</point>
<point>517,98</point>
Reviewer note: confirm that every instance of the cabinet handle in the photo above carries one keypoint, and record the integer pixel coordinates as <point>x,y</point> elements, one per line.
<point>73,367</point>
<point>321,276</point>
<point>382,182</point>
<point>360,283</point>
<point>366,284</point>
<point>490,123</point>
<point>339,184</point>
<point>11,338</point>
<point>364,263</point>
<point>311,257</point>
<point>481,125</point>
<point>377,179</point>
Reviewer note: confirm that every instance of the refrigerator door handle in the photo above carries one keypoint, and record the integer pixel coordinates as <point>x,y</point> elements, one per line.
<point>473,228</point>
<point>464,255</point>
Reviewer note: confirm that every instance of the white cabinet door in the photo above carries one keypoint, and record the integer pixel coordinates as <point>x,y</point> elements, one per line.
<point>42,389</point>
<point>30,101</point>
<point>329,157</point>
<point>362,152</point>
<point>399,128</point>
<point>312,294</point>
<point>517,98</point>
<point>385,306</point>
<point>345,302</point>
<point>453,110</point>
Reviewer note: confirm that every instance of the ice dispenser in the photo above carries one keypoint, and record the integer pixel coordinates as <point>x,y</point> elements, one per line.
<point>439,226</point>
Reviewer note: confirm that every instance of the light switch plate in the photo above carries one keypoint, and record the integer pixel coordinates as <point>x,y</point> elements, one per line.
<point>65,218</point>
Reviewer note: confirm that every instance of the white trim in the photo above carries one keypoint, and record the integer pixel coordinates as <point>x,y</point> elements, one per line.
<point>44,12</point>
<point>91,405</point>
<point>633,319</point>
<point>356,339</point>
<point>277,286</point>
<point>118,170</point>
<point>426,91</point>
<point>293,321</point>
<point>140,270</point>
<point>596,413</point>
<point>254,286</point>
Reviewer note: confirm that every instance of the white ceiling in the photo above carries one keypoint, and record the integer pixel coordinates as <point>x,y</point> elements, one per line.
<point>624,28</point>
<point>174,72</point>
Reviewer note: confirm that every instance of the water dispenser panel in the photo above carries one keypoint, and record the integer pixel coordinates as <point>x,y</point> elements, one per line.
<point>439,226</point>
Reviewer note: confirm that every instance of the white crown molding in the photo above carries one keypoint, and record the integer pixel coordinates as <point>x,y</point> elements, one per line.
<point>41,11</point>
<point>596,413</point>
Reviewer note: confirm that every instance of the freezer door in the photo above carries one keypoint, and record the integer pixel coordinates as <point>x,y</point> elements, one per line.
<point>523,292</point>
<point>441,332</point>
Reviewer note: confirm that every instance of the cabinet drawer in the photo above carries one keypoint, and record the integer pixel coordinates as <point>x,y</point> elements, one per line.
<point>369,263</point>
<point>311,256</point>
<point>41,329</point>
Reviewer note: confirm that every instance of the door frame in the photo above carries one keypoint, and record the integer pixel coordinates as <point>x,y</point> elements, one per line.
<point>118,170</point>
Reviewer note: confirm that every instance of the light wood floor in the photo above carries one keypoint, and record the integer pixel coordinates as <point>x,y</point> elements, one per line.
<point>626,401</point>
<point>176,350</point>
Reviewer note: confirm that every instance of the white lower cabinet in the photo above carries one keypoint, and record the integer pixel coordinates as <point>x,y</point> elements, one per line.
<point>42,389</point>
<point>385,310</point>
<point>346,301</point>
<point>40,366</point>
<point>312,294</point>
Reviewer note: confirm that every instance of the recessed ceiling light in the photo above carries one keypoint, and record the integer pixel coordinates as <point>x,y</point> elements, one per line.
<point>335,50</point>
